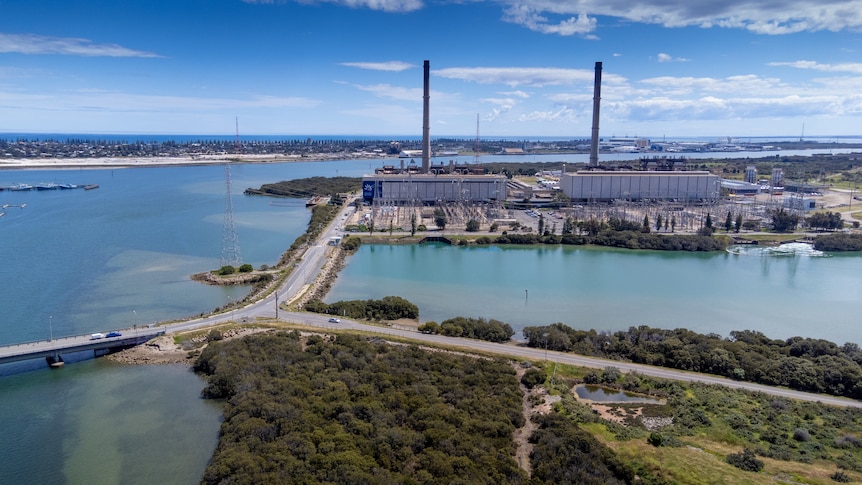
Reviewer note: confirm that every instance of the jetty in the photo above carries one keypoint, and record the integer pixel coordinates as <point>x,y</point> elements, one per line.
<point>46,186</point>
<point>53,350</point>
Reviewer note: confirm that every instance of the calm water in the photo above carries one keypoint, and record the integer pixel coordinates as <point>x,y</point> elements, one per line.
<point>779,294</point>
<point>87,261</point>
<point>600,394</point>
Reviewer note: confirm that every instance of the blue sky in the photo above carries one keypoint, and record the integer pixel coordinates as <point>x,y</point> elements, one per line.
<point>525,68</point>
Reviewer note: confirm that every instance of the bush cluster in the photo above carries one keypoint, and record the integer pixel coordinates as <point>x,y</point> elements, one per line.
<point>805,364</point>
<point>351,411</point>
<point>478,328</point>
<point>387,308</point>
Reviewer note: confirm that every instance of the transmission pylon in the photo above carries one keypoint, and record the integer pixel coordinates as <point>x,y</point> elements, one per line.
<point>476,158</point>
<point>230,240</point>
<point>230,254</point>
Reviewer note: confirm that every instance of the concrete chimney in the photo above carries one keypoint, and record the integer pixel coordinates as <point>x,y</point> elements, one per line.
<point>597,96</point>
<point>426,128</point>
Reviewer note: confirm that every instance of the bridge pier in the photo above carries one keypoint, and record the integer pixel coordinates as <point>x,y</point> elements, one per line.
<point>55,361</point>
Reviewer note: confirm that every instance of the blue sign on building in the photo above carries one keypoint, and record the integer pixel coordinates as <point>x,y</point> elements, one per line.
<point>368,191</point>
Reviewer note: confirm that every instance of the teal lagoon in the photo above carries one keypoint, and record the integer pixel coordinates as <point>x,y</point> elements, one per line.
<point>780,293</point>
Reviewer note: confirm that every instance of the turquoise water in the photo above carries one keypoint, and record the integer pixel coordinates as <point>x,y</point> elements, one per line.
<point>779,294</point>
<point>99,422</point>
<point>88,261</point>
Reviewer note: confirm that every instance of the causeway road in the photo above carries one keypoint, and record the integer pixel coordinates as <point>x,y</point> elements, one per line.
<point>311,263</point>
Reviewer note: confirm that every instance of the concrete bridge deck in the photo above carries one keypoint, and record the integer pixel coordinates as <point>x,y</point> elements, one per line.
<point>68,345</point>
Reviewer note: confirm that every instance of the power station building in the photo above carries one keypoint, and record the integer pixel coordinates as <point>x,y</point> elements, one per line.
<point>430,189</point>
<point>606,185</point>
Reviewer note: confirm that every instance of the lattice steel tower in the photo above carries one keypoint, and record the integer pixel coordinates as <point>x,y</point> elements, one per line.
<point>230,240</point>
<point>230,254</point>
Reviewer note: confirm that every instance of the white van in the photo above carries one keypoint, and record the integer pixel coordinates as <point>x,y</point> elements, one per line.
<point>97,336</point>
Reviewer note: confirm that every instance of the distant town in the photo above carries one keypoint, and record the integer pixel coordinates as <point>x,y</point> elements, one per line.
<point>30,148</point>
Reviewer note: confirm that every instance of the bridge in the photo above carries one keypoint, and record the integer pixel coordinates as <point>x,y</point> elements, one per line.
<point>52,350</point>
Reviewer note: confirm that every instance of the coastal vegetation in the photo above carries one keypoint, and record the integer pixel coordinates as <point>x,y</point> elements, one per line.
<point>700,432</point>
<point>601,234</point>
<point>349,409</point>
<point>478,328</point>
<point>309,187</point>
<point>387,308</point>
<point>838,242</point>
<point>804,364</point>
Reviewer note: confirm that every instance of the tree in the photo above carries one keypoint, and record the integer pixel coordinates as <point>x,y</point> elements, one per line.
<point>738,225</point>
<point>413,224</point>
<point>569,225</point>
<point>783,221</point>
<point>672,223</point>
<point>658,222</point>
<point>440,218</point>
<point>541,223</point>
<point>728,222</point>
<point>645,226</point>
<point>472,225</point>
<point>708,223</point>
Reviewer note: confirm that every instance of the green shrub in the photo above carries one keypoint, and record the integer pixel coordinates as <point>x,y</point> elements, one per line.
<point>745,460</point>
<point>533,378</point>
<point>226,270</point>
<point>246,268</point>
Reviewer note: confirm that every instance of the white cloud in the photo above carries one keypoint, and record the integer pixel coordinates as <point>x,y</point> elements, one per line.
<point>70,46</point>
<point>853,67</point>
<point>524,76</point>
<point>394,66</point>
<point>524,14</point>
<point>383,5</point>
<point>393,92</point>
<point>109,101</point>
<point>662,57</point>
<point>772,18</point>
<point>518,94</point>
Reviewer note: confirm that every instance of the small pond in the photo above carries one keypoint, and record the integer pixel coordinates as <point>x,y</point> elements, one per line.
<point>601,394</point>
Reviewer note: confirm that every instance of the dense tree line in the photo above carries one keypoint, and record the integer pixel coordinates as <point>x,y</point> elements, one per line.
<point>623,239</point>
<point>308,187</point>
<point>838,242</point>
<point>825,220</point>
<point>349,411</point>
<point>387,308</point>
<point>805,364</point>
<point>477,328</point>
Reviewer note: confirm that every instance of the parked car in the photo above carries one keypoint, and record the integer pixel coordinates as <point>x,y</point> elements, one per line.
<point>114,334</point>
<point>334,320</point>
<point>97,336</point>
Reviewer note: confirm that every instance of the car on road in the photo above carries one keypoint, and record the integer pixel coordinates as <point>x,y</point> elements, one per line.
<point>97,336</point>
<point>334,320</point>
<point>114,334</point>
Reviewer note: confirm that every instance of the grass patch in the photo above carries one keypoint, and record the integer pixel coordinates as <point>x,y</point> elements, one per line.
<point>856,215</point>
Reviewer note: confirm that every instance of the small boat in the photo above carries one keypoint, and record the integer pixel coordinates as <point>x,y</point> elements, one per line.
<point>68,186</point>
<point>21,187</point>
<point>47,186</point>
<point>91,186</point>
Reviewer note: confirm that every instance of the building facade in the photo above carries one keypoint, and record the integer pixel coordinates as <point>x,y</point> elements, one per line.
<point>603,186</point>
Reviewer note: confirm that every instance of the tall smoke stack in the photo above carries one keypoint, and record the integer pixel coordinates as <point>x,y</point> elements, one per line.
<point>426,129</point>
<point>597,96</point>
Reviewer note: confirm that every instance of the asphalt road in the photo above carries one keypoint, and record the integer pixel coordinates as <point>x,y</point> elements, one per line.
<point>311,263</point>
